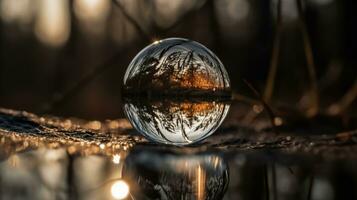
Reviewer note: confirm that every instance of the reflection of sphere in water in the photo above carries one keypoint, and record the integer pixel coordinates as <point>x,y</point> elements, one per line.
<point>160,175</point>
<point>176,66</point>
<point>177,123</point>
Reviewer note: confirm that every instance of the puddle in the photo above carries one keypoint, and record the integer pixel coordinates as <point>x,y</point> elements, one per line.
<point>55,158</point>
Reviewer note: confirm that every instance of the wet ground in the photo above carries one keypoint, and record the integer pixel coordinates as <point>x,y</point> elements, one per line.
<point>46,157</point>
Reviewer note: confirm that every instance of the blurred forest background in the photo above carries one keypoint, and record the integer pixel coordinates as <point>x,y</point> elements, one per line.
<point>77,51</point>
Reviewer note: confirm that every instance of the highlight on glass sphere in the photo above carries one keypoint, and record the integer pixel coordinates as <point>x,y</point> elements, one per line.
<point>176,66</point>
<point>176,91</point>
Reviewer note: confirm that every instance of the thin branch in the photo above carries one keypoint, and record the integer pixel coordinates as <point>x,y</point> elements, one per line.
<point>268,92</point>
<point>266,182</point>
<point>131,19</point>
<point>344,102</point>
<point>98,70</point>
<point>239,97</point>
<point>270,112</point>
<point>57,100</point>
<point>313,91</point>
<point>311,183</point>
<point>274,186</point>
<point>185,17</point>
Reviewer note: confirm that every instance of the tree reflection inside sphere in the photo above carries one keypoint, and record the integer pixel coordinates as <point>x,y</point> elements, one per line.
<point>176,66</point>
<point>176,92</point>
<point>177,123</point>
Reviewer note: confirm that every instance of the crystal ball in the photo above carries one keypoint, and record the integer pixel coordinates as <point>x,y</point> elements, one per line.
<point>176,66</point>
<point>176,91</point>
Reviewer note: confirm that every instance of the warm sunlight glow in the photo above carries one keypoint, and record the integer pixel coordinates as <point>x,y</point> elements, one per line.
<point>120,189</point>
<point>20,11</point>
<point>53,22</point>
<point>90,10</point>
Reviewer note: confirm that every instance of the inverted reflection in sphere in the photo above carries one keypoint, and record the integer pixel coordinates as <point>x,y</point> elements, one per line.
<point>177,123</point>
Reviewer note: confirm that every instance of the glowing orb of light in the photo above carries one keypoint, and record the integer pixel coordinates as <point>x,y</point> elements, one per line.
<point>120,189</point>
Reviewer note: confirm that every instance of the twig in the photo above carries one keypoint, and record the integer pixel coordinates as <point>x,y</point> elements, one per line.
<point>138,28</point>
<point>268,92</point>
<point>314,106</point>
<point>96,71</point>
<point>239,97</point>
<point>71,91</point>
<point>266,106</point>
<point>266,182</point>
<point>344,102</point>
<point>311,183</point>
<point>71,182</point>
<point>274,186</point>
<point>185,17</point>
<point>291,170</point>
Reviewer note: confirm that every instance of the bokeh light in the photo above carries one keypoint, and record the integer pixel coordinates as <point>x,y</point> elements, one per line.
<point>16,11</point>
<point>91,10</point>
<point>53,22</point>
<point>120,189</point>
<point>233,11</point>
<point>116,159</point>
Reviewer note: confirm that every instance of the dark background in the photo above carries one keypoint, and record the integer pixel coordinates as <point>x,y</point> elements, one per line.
<point>49,47</point>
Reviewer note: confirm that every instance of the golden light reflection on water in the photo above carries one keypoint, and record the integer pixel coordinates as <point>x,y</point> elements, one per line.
<point>94,125</point>
<point>116,159</point>
<point>119,189</point>
<point>52,26</point>
<point>72,134</point>
<point>175,176</point>
<point>201,183</point>
<point>14,160</point>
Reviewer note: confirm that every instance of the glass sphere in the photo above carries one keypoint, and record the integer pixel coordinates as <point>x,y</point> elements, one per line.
<point>175,122</point>
<point>174,91</point>
<point>176,66</point>
<point>156,174</point>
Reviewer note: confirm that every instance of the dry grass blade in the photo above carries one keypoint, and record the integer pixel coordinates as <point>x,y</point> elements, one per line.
<point>266,106</point>
<point>266,182</point>
<point>309,192</point>
<point>269,88</point>
<point>313,108</point>
<point>137,26</point>
<point>239,97</point>
<point>345,101</point>
<point>71,91</point>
